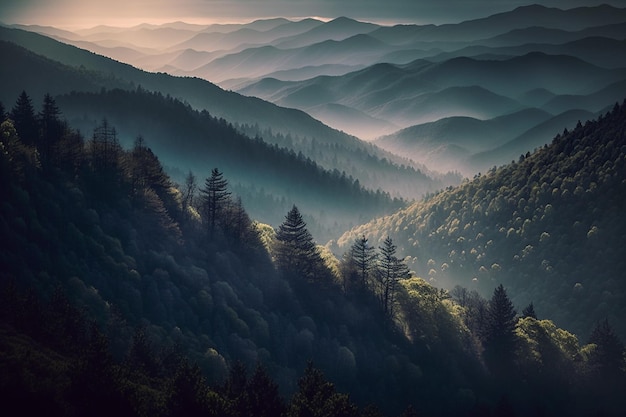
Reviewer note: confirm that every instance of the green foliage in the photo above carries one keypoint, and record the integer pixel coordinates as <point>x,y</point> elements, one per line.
<point>125,252</point>
<point>172,308</point>
<point>547,227</point>
<point>295,251</point>
<point>426,313</point>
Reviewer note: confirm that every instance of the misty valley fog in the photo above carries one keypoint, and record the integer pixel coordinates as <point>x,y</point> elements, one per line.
<point>315,217</point>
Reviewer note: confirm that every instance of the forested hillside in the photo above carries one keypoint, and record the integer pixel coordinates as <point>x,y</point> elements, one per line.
<point>270,171</point>
<point>184,270</point>
<point>268,178</point>
<point>124,294</point>
<point>549,227</point>
<point>43,65</point>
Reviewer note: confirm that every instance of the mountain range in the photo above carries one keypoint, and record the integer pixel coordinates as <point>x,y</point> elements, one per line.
<point>333,151</point>
<point>165,210</point>
<point>547,225</point>
<point>371,80</point>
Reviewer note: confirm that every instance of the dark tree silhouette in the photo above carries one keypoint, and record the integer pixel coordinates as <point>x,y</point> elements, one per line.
<point>296,252</point>
<point>51,129</point>
<point>262,395</point>
<point>317,397</point>
<point>186,393</point>
<point>499,338</point>
<point>363,256</point>
<point>529,311</point>
<point>608,357</point>
<point>390,270</point>
<point>104,154</point>
<point>24,120</point>
<point>215,196</point>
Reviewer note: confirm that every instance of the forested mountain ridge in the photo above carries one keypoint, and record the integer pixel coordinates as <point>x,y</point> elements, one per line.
<point>121,293</point>
<point>165,272</point>
<point>269,178</point>
<point>549,227</point>
<point>330,148</point>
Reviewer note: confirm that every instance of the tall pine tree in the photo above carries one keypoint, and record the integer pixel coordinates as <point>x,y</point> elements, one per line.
<point>607,360</point>
<point>215,198</point>
<point>295,251</point>
<point>499,339</point>
<point>390,270</point>
<point>51,129</point>
<point>363,257</point>
<point>24,120</point>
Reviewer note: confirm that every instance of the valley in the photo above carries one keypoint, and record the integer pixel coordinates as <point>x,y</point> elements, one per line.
<point>315,215</point>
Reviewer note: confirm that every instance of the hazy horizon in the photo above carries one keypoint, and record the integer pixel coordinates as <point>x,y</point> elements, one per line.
<point>75,14</point>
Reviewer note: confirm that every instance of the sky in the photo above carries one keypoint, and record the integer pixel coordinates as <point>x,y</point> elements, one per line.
<point>74,14</point>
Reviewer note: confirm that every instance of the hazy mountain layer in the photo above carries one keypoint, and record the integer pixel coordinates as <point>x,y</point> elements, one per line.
<point>330,148</point>
<point>483,68</point>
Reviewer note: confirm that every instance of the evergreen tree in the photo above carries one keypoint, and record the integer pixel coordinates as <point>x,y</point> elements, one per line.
<point>146,173</point>
<point>186,393</point>
<point>499,338</point>
<point>316,397</point>
<point>2,112</point>
<point>23,116</point>
<point>608,357</point>
<point>390,270</point>
<point>529,311</point>
<point>104,154</point>
<point>363,256</point>
<point>262,395</point>
<point>215,197</point>
<point>71,152</point>
<point>239,227</point>
<point>296,252</point>
<point>51,129</point>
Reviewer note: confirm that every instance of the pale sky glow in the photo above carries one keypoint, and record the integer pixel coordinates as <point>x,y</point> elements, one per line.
<point>73,14</point>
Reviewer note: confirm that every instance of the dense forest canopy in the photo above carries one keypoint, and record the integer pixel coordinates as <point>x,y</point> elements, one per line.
<point>173,301</point>
<point>548,226</point>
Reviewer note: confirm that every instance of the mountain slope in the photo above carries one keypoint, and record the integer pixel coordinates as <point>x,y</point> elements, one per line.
<point>550,227</point>
<point>429,143</point>
<point>94,245</point>
<point>424,91</point>
<point>520,18</point>
<point>328,147</point>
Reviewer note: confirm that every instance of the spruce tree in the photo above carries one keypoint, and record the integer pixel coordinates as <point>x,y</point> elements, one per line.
<point>23,116</point>
<point>363,256</point>
<point>499,339</point>
<point>263,397</point>
<point>316,397</point>
<point>529,311</point>
<point>607,360</point>
<point>296,252</point>
<point>390,270</point>
<point>215,197</point>
<point>51,128</point>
